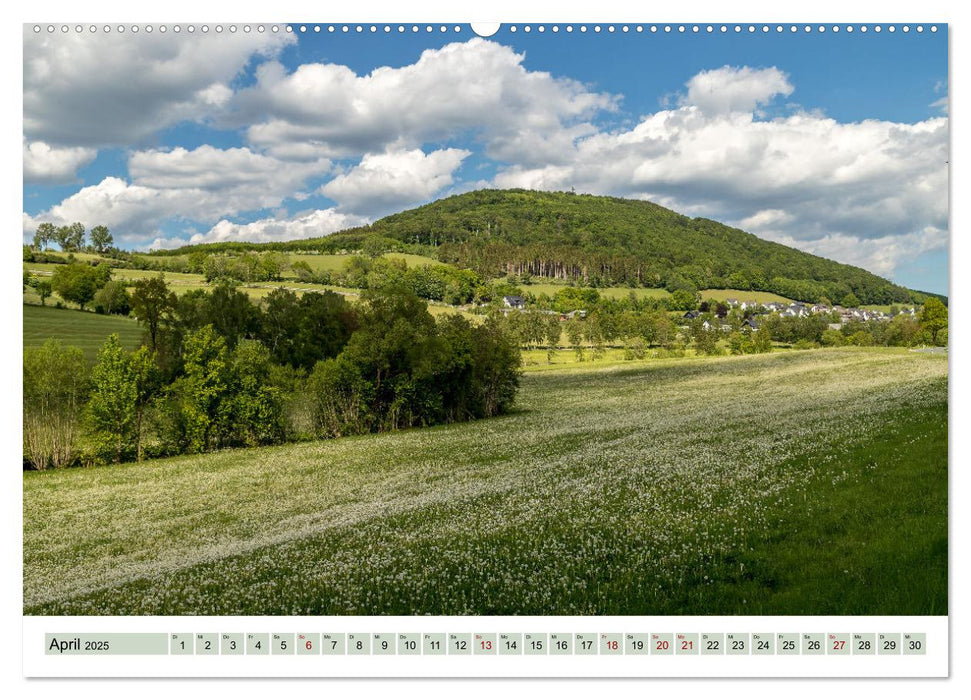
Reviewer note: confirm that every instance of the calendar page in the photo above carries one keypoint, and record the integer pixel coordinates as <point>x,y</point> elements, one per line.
<point>515,349</point>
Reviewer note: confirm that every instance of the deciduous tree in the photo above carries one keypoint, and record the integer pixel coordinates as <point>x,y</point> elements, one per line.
<point>101,238</point>
<point>933,317</point>
<point>114,398</point>
<point>151,303</point>
<point>54,388</point>
<point>75,282</point>
<point>45,234</point>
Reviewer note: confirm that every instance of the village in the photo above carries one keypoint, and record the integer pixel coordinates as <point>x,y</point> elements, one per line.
<point>753,312</point>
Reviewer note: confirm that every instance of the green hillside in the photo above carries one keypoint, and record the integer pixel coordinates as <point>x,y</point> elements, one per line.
<point>599,241</point>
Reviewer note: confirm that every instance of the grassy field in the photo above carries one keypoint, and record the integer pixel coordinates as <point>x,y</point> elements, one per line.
<point>792,483</point>
<point>551,288</point>
<point>537,359</point>
<point>173,278</point>
<point>742,295</point>
<point>85,330</point>
<point>334,263</point>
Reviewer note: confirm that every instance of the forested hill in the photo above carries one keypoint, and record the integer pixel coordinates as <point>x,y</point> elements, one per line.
<point>600,241</point>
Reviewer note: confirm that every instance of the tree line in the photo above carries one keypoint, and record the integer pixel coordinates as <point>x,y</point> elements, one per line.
<point>217,371</point>
<point>637,326</point>
<point>71,238</point>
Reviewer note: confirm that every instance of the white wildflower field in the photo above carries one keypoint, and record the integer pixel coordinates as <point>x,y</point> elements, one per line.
<point>791,483</point>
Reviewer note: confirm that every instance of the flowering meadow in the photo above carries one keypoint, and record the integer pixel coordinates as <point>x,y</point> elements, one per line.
<point>790,483</point>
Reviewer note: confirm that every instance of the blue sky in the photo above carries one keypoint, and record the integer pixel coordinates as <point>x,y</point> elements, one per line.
<point>835,143</point>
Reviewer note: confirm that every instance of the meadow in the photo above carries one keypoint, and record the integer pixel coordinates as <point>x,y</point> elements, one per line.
<point>335,263</point>
<point>85,330</point>
<point>743,295</point>
<point>791,483</point>
<point>543,286</point>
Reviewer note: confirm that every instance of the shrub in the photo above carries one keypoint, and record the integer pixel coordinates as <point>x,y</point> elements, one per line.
<point>403,369</point>
<point>76,282</point>
<point>340,398</point>
<point>255,407</point>
<point>861,338</point>
<point>635,349</point>
<point>111,411</point>
<point>55,384</point>
<point>832,338</point>
<point>112,299</point>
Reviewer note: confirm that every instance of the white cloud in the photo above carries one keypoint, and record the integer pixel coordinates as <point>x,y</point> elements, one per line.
<point>210,168</point>
<point>731,89</point>
<point>316,223</point>
<point>821,185</point>
<point>765,219</point>
<point>880,255</point>
<point>385,182</point>
<point>118,89</point>
<point>47,165</point>
<point>132,212</point>
<point>204,185</point>
<point>478,85</point>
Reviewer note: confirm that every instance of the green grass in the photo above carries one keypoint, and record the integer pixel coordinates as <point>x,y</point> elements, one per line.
<point>551,288</point>
<point>172,278</point>
<point>412,260</point>
<point>639,292</point>
<point>41,269</point>
<point>537,359</point>
<point>83,329</point>
<point>335,263</point>
<point>743,295</point>
<point>320,263</point>
<point>791,483</point>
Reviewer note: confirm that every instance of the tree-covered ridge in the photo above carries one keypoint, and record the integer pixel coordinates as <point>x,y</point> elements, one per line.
<point>600,241</point>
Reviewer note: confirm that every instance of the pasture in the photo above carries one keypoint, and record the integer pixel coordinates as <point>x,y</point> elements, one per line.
<point>743,295</point>
<point>798,483</point>
<point>551,288</point>
<point>335,263</point>
<point>83,329</point>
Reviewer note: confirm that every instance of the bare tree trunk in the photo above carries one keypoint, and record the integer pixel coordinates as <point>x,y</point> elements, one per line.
<point>138,434</point>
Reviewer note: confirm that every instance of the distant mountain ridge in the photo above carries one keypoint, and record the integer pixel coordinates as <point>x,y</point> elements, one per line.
<point>598,241</point>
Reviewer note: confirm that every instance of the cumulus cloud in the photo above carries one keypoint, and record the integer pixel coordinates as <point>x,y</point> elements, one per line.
<point>218,169</point>
<point>765,219</point>
<point>132,212</point>
<point>385,182</point>
<point>881,255</point>
<point>120,88</point>
<point>46,165</point>
<point>203,185</point>
<point>316,223</point>
<point>735,89</point>
<point>478,85</point>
